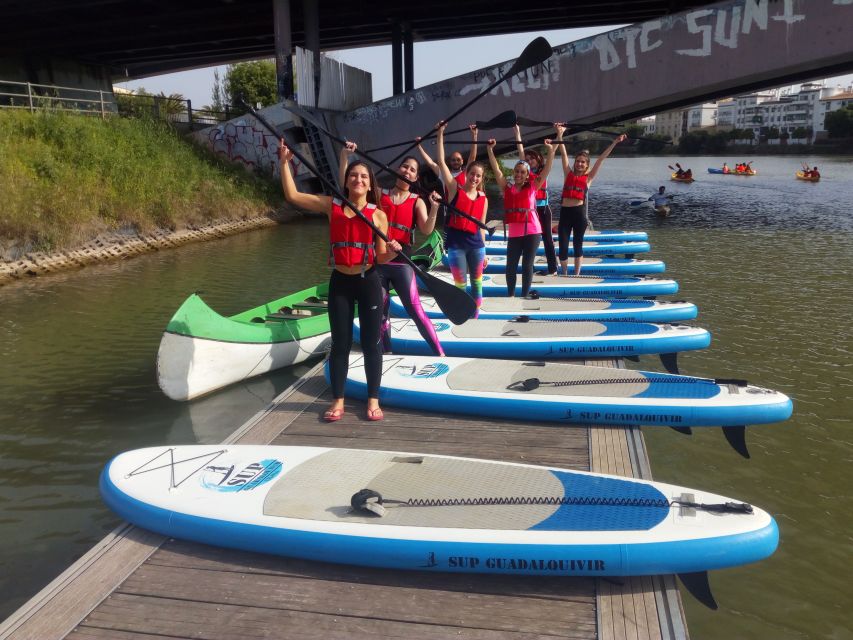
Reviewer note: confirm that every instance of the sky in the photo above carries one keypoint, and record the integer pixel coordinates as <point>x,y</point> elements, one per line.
<point>432,61</point>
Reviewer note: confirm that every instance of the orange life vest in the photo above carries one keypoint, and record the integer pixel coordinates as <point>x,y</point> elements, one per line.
<point>575,186</point>
<point>401,217</point>
<point>351,240</point>
<point>473,208</point>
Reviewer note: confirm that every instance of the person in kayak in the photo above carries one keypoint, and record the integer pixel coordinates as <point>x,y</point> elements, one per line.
<point>726,168</point>
<point>405,211</point>
<point>660,201</point>
<point>466,247</point>
<point>537,163</point>
<point>524,231</point>
<point>573,216</point>
<point>354,252</point>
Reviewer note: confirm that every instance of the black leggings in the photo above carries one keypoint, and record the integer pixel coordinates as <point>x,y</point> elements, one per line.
<point>523,247</point>
<point>544,213</point>
<point>344,291</point>
<point>573,221</point>
<point>401,277</point>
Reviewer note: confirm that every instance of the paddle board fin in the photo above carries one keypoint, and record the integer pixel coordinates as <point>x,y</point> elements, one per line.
<point>685,430</point>
<point>736,437</point>
<point>670,362</point>
<point>699,587</point>
<point>633,358</point>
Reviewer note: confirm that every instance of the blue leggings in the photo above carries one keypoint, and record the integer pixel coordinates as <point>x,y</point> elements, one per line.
<point>401,277</point>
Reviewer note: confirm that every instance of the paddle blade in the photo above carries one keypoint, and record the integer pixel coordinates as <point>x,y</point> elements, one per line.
<point>454,302</point>
<point>528,122</point>
<point>504,120</point>
<point>537,52</point>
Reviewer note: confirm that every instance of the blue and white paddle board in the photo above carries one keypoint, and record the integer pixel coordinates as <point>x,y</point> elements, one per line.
<point>605,235</point>
<point>498,247</point>
<point>567,393</point>
<point>295,501</point>
<point>594,266</point>
<point>613,309</point>
<point>577,286</point>
<point>546,339</point>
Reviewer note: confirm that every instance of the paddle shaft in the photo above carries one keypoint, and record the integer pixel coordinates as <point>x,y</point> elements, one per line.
<point>384,167</point>
<point>503,120</point>
<point>580,128</point>
<point>528,58</point>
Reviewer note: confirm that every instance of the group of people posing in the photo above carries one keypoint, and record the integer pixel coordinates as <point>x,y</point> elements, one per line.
<point>366,267</point>
<point>740,167</point>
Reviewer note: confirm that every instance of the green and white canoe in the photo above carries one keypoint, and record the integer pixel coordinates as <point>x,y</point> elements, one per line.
<point>202,351</point>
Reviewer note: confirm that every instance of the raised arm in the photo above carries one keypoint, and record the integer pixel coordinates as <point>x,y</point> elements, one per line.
<point>472,154</point>
<point>518,143</point>
<point>343,162</point>
<point>427,160</point>
<point>561,129</point>
<point>444,171</point>
<point>426,221</point>
<point>493,162</point>
<point>603,157</point>
<point>306,201</point>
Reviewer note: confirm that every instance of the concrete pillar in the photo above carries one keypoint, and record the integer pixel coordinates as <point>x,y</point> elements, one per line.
<point>283,49</point>
<point>409,56</point>
<point>397,58</point>
<point>311,19</point>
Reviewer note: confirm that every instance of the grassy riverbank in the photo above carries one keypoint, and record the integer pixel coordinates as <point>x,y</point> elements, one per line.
<point>66,178</point>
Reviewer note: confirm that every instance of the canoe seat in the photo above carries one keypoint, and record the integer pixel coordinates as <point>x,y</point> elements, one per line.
<point>289,313</point>
<point>312,303</point>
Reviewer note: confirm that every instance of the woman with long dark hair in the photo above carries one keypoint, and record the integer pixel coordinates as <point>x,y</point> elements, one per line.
<point>354,252</point>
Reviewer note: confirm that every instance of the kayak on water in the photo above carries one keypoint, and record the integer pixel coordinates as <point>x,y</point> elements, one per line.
<point>751,172</point>
<point>803,176</point>
<point>675,178</point>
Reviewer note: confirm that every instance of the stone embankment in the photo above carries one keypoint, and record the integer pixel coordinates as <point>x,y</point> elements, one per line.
<point>17,263</point>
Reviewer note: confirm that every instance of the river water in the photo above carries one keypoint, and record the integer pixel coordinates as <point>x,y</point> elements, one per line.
<point>767,259</point>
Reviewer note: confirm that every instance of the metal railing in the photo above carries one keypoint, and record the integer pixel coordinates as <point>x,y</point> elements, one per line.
<point>97,102</point>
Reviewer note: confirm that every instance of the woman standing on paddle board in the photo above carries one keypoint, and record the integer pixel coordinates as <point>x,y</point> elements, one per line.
<point>405,211</point>
<point>466,247</point>
<point>573,216</point>
<point>543,209</point>
<point>354,252</point>
<point>524,230</point>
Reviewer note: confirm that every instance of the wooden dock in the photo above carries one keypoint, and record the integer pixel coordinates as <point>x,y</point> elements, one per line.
<point>135,584</point>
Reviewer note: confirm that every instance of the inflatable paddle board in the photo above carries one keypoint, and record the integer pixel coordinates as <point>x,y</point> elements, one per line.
<point>438,513</point>
<point>577,286</point>
<point>523,338</point>
<point>613,309</point>
<point>570,393</point>
<point>498,247</point>
<point>590,267</point>
<point>605,235</point>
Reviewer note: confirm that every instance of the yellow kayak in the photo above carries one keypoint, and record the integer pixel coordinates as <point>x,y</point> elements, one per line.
<point>803,176</point>
<point>674,177</point>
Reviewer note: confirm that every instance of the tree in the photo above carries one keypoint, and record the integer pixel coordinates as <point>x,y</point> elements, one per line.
<point>218,93</point>
<point>839,124</point>
<point>801,132</point>
<point>254,81</point>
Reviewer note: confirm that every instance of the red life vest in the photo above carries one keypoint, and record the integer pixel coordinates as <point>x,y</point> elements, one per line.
<point>401,217</point>
<point>460,182</point>
<point>542,192</point>
<point>351,240</point>
<point>473,208</point>
<point>575,186</point>
<point>518,203</point>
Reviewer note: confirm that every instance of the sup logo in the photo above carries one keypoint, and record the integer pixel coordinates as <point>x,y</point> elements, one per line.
<point>432,370</point>
<point>441,326</point>
<point>229,479</point>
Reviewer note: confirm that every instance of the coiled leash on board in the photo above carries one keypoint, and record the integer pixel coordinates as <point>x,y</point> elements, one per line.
<point>368,501</point>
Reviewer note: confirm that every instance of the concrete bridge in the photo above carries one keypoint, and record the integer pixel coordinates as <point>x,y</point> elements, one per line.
<point>713,51</point>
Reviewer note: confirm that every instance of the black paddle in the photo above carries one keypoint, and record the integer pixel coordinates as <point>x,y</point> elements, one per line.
<point>457,305</point>
<point>316,124</point>
<point>537,52</point>
<point>503,120</point>
<point>579,128</point>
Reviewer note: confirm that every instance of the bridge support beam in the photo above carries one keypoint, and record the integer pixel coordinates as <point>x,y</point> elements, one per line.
<point>283,49</point>
<point>311,20</point>
<point>409,56</point>
<point>397,58</point>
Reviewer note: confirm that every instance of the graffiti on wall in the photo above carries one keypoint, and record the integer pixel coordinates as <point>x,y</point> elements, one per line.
<point>250,145</point>
<point>707,29</point>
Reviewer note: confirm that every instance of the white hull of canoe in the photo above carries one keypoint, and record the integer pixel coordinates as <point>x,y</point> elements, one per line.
<point>189,367</point>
